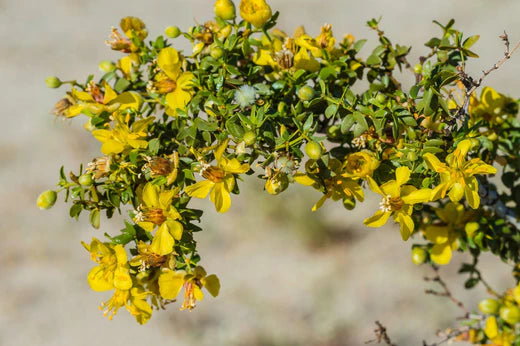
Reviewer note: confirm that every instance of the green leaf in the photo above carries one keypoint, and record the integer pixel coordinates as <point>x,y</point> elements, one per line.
<point>234,129</point>
<point>347,123</point>
<point>95,218</point>
<point>331,110</point>
<point>470,41</point>
<point>153,146</point>
<point>121,85</point>
<point>374,60</point>
<point>75,210</point>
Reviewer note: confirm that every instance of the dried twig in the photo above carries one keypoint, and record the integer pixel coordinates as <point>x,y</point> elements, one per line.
<point>446,292</point>
<point>471,84</point>
<point>448,336</point>
<point>381,335</point>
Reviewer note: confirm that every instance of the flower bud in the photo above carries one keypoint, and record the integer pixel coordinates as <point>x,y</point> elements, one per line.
<point>47,199</point>
<point>417,69</point>
<point>256,12</point>
<point>225,9</point>
<point>277,183</point>
<point>172,31</point>
<point>53,82</point>
<point>107,66</point>
<point>85,179</point>
<point>305,93</point>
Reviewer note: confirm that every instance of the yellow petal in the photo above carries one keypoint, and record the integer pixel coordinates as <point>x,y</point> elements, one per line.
<point>212,284</point>
<point>456,192</point>
<point>320,202</point>
<point>99,280</point>
<point>373,186</point>
<point>233,166</point>
<point>350,187</point>
<point>147,226</point>
<point>110,94</point>
<point>221,149</point>
<point>491,329</point>
<point>304,61</point>
<point>220,197</point>
<point>406,225</point>
<point>477,166</point>
<point>378,219</point>
<point>162,243</point>
<point>436,234</point>
<point>185,81</point>
<point>177,99</point>
<point>175,228</point>
<point>471,193</point>
<point>441,253</point>
<point>122,279</point>
<point>462,149</point>
<point>112,147</point>
<point>170,283</point>
<point>402,175</point>
<point>120,254</point>
<point>391,188</point>
<point>102,135</point>
<point>128,100</point>
<point>304,179</point>
<point>434,163</point>
<point>165,199</point>
<point>200,189</point>
<point>197,293</point>
<point>168,60</point>
<point>151,195</point>
<point>417,196</point>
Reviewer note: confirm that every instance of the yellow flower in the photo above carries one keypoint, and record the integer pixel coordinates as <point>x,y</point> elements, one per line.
<point>220,180</point>
<point>133,27</point>
<point>445,236</point>
<point>134,300</point>
<point>121,137</point>
<point>158,211</point>
<point>171,283</point>
<point>398,200</point>
<point>457,174</point>
<point>492,107</point>
<point>337,186</point>
<point>177,85</point>
<point>360,165</point>
<point>325,40</point>
<point>256,12</point>
<point>113,269</point>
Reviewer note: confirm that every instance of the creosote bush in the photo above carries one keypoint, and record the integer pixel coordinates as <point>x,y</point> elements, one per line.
<point>252,99</point>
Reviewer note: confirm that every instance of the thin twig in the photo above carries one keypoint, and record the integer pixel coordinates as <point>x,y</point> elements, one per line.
<point>471,84</point>
<point>446,293</point>
<point>448,336</point>
<point>381,335</point>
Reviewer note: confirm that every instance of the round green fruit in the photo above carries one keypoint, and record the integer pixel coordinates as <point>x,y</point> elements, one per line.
<point>313,150</point>
<point>47,199</point>
<point>510,314</point>
<point>172,31</point>
<point>419,255</point>
<point>85,179</point>
<point>306,93</point>
<point>489,306</point>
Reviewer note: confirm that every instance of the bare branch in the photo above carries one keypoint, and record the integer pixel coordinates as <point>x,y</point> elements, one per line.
<point>472,85</point>
<point>446,292</point>
<point>381,335</point>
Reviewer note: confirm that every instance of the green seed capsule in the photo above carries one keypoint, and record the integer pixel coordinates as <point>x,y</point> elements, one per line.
<point>510,314</point>
<point>418,255</point>
<point>85,179</point>
<point>172,31</point>
<point>306,93</point>
<point>349,203</point>
<point>313,150</point>
<point>216,52</point>
<point>47,199</point>
<point>249,138</point>
<point>489,306</point>
<point>53,82</point>
<point>417,69</point>
<point>107,66</point>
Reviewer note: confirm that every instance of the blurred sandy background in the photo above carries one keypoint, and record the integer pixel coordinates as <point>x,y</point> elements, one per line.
<point>288,277</point>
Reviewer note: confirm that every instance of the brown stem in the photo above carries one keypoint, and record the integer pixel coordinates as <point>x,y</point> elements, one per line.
<point>446,292</point>
<point>381,335</point>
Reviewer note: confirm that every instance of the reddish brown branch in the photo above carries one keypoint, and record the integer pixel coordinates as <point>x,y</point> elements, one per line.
<point>446,292</point>
<point>381,335</point>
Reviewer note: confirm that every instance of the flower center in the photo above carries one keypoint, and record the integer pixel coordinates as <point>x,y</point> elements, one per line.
<point>214,174</point>
<point>390,203</point>
<point>165,86</point>
<point>153,215</point>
